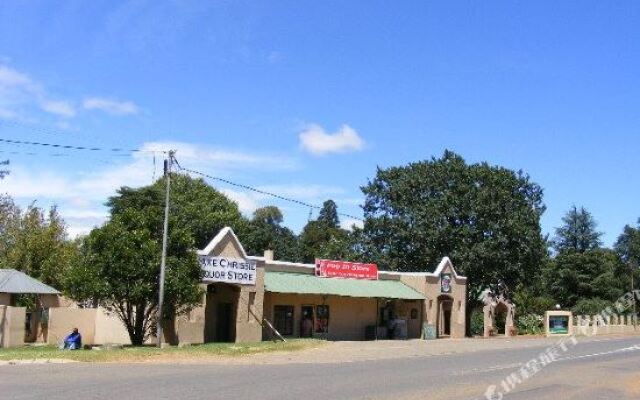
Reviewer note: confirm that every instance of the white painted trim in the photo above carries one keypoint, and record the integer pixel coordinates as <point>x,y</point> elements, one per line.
<point>228,231</point>
<point>218,238</point>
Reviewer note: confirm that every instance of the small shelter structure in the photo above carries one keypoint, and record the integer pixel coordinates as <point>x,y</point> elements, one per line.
<point>17,325</point>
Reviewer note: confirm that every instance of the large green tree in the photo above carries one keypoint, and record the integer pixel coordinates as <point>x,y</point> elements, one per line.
<point>573,276</point>
<point>120,261</point>
<point>34,241</point>
<point>265,232</point>
<point>578,232</point>
<point>485,218</point>
<point>197,207</point>
<point>323,237</point>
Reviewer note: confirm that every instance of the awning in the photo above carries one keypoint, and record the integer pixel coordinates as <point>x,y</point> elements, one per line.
<point>16,282</point>
<point>285,282</point>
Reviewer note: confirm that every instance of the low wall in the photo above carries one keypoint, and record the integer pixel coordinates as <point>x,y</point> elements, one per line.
<point>62,321</point>
<point>590,325</point>
<point>12,320</point>
<point>109,329</point>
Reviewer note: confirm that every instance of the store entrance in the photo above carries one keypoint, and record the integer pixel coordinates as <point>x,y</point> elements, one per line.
<point>306,322</point>
<point>445,305</point>
<point>220,312</point>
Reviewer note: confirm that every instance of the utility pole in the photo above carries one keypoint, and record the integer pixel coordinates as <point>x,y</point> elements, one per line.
<point>163,260</point>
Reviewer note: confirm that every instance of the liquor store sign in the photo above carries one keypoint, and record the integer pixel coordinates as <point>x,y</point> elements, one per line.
<point>229,270</point>
<point>345,269</point>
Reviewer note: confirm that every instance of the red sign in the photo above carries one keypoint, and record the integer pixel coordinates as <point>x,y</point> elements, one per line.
<point>346,269</point>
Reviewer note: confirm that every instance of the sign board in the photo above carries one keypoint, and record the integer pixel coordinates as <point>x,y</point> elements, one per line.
<point>429,332</point>
<point>558,324</point>
<point>229,270</point>
<point>346,269</point>
<point>445,283</point>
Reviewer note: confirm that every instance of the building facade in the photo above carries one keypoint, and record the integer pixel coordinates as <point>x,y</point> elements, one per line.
<point>250,298</point>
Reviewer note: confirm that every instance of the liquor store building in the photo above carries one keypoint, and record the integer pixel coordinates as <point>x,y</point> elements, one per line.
<point>248,298</point>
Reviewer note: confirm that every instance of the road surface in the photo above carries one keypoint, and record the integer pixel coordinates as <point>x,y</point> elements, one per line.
<point>588,370</point>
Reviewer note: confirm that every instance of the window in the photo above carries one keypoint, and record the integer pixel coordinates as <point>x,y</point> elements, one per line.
<point>283,319</point>
<point>322,319</point>
<point>414,313</point>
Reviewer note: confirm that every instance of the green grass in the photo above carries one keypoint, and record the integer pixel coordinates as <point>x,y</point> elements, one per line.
<point>150,353</point>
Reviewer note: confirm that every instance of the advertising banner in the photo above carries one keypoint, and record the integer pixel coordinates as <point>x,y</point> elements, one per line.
<point>346,269</point>
<point>229,270</point>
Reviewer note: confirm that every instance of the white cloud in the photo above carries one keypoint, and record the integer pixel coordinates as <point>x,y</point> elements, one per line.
<point>246,203</point>
<point>61,108</point>
<point>317,141</point>
<point>110,106</point>
<point>348,224</point>
<point>80,194</point>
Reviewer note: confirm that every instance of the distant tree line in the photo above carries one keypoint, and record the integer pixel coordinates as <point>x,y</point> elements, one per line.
<point>486,218</point>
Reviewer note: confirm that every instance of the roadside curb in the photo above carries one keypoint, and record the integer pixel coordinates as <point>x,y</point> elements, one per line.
<point>37,361</point>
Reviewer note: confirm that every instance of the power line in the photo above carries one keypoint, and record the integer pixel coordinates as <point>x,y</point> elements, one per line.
<point>252,189</point>
<point>71,147</point>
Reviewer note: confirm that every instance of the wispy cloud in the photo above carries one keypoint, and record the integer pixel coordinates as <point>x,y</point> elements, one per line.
<point>81,194</point>
<point>18,91</point>
<point>317,141</point>
<point>110,106</point>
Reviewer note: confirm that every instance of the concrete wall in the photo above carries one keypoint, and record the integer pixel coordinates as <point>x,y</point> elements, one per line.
<point>62,321</point>
<point>12,320</point>
<point>109,329</point>
<point>593,325</point>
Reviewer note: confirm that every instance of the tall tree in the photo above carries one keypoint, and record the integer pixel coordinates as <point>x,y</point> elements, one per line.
<point>578,232</point>
<point>329,214</point>
<point>119,265</point>
<point>628,248</point>
<point>573,276</point>
<point>485,218</point>
<point>120,262</point>
<point>34,242</point>
<point>267,233</point>
<point>197,207</point>
<point>323,238</point>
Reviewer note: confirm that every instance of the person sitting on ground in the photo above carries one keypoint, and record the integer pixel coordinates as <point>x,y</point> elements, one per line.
<point>73,341</point>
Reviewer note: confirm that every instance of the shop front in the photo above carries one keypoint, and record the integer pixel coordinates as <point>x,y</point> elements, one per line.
<point>250,298</point>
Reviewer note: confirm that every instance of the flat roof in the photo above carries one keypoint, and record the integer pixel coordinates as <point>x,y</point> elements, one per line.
<point>295,283</point>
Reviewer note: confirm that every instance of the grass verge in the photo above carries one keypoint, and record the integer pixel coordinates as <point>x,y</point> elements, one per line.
<point>150,353</point>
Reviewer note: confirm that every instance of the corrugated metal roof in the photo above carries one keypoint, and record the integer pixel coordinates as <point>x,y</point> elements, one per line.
<point>12,281</point>
<point>285,282</point>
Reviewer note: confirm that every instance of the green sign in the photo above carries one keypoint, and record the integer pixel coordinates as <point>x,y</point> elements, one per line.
<point>559,324</point>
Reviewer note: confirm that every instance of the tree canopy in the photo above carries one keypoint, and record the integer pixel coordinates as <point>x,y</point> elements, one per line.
<point>578,232</point>
<point>329,214</point>
<point>265,232</point>
<point>34,241</point>
<point>486,218</point>
<point>120,261</point>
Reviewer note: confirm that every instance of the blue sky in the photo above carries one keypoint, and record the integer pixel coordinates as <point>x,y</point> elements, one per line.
<point>307,98</point>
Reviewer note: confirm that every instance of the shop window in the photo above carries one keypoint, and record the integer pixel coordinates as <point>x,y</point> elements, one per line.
<point>322,319</point>
<point>283,319</point>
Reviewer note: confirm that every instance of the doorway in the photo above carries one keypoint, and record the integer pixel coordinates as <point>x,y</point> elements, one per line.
<point>445,307</point>
<point>306,322</point>
<point>220,313</point>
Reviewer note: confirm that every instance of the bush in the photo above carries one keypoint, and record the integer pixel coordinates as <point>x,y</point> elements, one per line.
<point>590,306</point>
<point>530,324</point>
<point>477,322</point>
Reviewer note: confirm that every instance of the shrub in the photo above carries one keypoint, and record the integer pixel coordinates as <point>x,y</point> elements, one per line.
<point>530,324</point>
<point>477,322</point>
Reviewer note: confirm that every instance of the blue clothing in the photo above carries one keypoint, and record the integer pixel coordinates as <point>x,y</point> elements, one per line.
<point>73,341</point>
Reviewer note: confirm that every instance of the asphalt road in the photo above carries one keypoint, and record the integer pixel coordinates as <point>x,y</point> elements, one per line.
<point>605,369</point>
